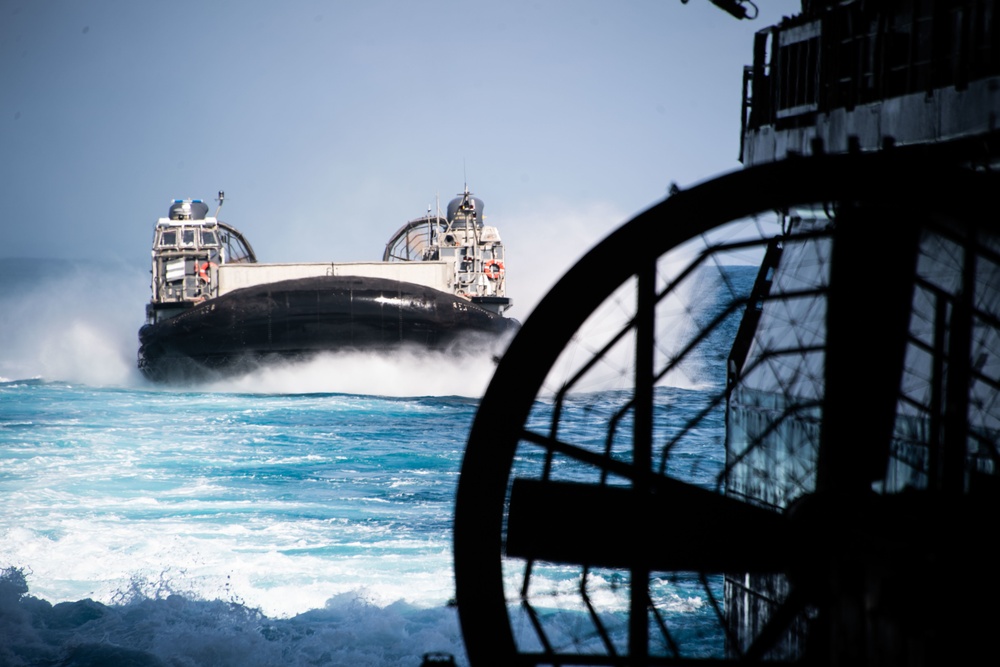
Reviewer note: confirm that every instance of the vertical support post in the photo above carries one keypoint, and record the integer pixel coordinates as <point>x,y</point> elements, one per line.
<point>642,448</point>
<point>868,312</point>
<point>869,304</point>
<point>959,377</point>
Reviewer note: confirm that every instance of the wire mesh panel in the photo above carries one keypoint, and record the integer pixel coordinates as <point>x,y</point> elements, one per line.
<point>661,469</point>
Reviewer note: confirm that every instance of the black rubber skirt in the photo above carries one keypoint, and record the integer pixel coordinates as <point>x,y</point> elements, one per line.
<point>295,319</point>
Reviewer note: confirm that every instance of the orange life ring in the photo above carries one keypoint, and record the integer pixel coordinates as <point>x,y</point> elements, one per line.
<point>203,270</point>
<point>493,269</point>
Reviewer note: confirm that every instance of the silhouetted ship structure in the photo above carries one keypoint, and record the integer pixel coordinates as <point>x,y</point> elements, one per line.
<point>848,77</point>
<point>887,456</point>
<point>216,310</point>
<point>852,516</point>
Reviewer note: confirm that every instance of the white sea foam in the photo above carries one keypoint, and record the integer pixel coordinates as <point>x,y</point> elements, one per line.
<point>154,625</point>
<point>282,565</point>
<point>404,372</point>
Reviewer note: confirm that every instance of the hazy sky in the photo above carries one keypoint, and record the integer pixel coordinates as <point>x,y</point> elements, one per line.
<point>330,123</point>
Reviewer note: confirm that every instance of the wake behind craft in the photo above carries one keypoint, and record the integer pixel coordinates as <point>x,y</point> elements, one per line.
<point>215,309</point>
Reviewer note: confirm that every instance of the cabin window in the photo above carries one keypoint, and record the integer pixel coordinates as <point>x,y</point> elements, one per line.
<point>236,250</point>
<point>169,238</point>
<point>187,237</point>
<point>208,238</point>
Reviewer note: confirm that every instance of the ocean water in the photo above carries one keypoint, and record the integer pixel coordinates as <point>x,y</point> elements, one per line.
<point>298,515</point>
<point>280,528</point>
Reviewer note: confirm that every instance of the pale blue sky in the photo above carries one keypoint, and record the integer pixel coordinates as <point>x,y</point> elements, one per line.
<point>330,123</point>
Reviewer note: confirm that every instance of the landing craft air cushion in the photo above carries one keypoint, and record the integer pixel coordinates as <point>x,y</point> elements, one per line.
<point>216,310</point>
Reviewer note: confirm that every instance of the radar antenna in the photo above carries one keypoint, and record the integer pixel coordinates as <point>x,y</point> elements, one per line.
<point>221,199</point>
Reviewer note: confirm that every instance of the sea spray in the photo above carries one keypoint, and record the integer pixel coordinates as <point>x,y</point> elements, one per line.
<point>78,322</point>
<point>72,321</point>
<point>174,629</point>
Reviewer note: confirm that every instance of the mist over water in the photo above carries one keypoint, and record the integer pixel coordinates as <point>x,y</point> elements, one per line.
<point>78,322</point>
<point>405,372</point>
<point>71,321</point>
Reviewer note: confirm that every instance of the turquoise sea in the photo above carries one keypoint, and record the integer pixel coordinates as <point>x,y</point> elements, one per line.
<point>296,516</point>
